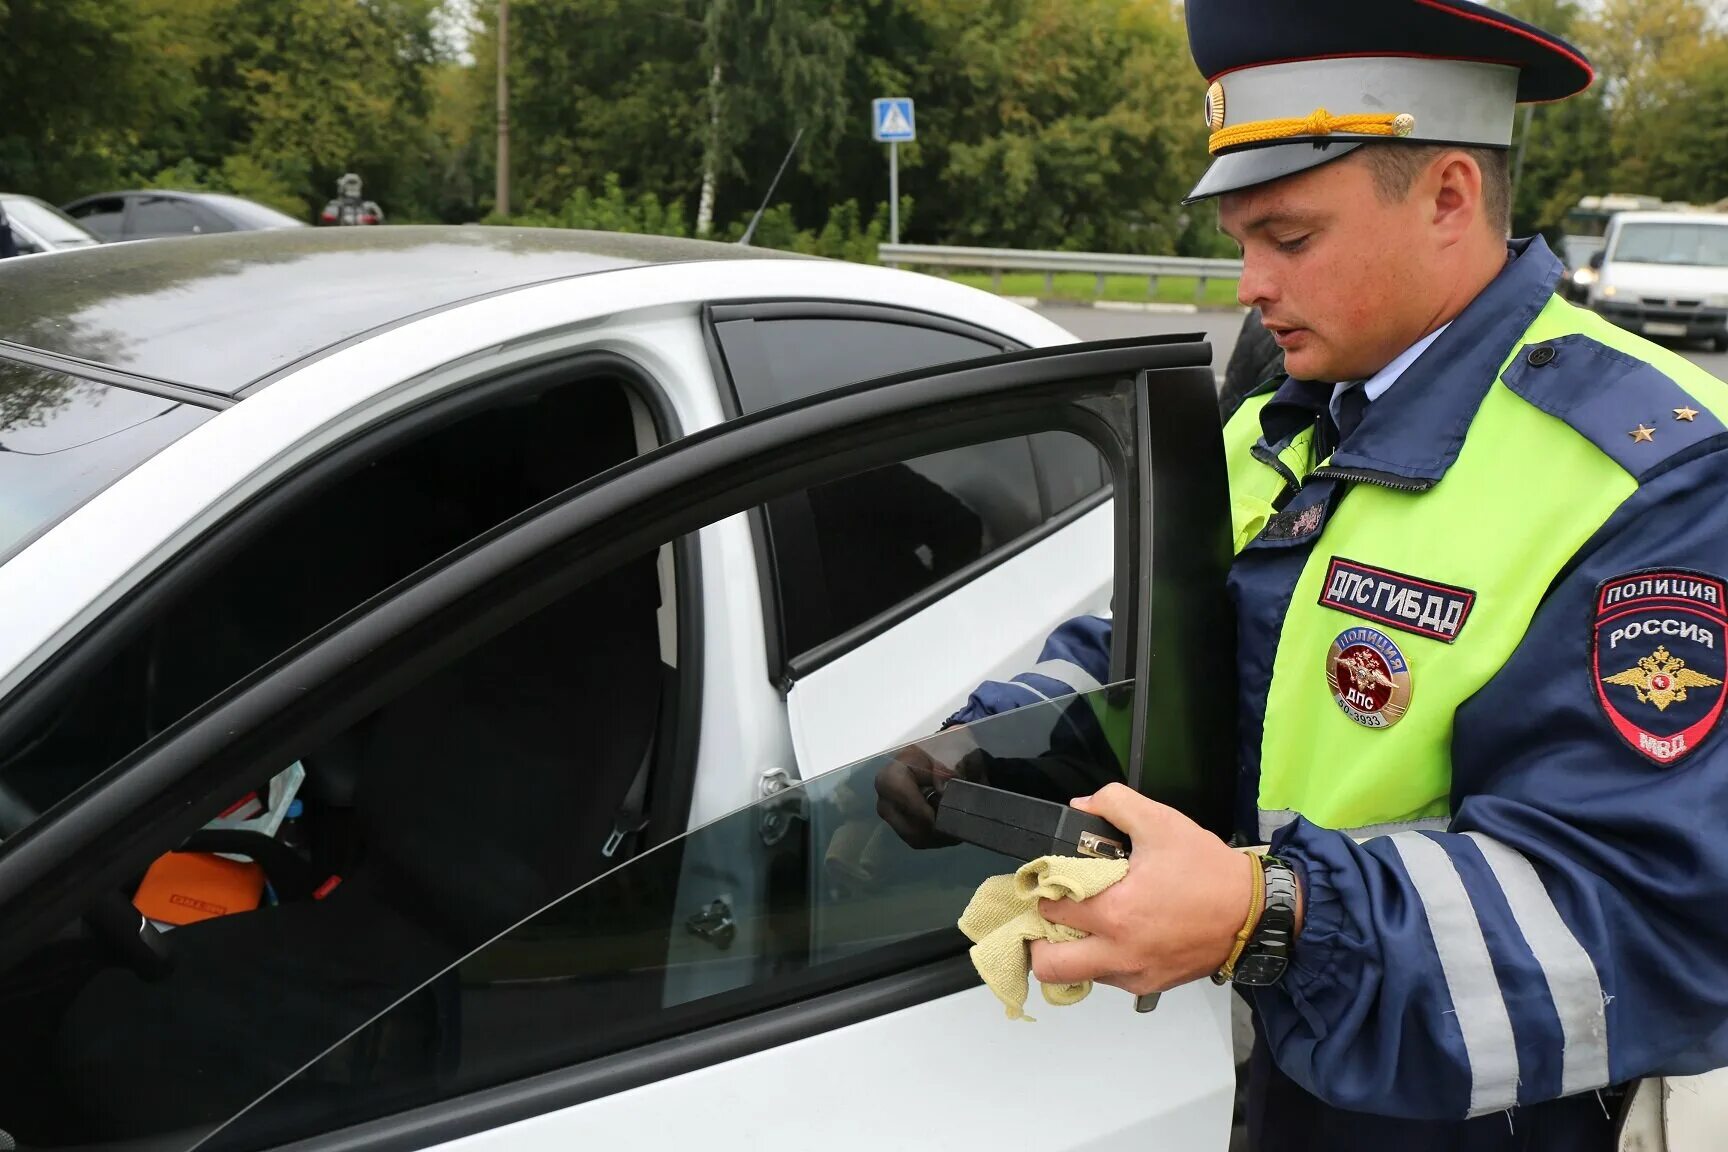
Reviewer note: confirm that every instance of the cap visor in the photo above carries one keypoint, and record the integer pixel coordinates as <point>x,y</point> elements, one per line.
<point>1237,170</point>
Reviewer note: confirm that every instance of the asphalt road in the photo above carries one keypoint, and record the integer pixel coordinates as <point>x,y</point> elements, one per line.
<point>1221,329</point>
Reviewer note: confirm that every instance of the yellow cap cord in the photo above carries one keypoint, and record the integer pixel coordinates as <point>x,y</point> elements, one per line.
<point>1320,123</point>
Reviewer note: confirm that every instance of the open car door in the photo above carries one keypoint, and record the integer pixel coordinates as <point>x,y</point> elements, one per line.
<point>463,957</point>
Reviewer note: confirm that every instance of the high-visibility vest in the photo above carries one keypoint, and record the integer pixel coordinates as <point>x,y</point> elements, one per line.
<point>1481,548</point>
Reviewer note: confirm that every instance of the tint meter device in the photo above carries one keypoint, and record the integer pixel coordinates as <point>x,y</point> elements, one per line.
<point>1025,827</point>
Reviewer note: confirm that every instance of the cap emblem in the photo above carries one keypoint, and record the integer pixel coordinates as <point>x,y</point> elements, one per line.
<point>1215,106</point>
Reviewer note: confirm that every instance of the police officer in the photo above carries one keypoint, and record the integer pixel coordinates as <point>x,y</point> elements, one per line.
<point>1482,592</point>
<point>350,208</point>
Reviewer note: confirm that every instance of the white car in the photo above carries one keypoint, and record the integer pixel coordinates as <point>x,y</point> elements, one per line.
<point>41,227</point>
<point>1665,274</point>
<point>571,591</point>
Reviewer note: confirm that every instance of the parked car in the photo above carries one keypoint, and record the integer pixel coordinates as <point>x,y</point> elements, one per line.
<point>40,227</point>
<point>1665,274</point>
<point>575,586</point>
<point>140,215</point>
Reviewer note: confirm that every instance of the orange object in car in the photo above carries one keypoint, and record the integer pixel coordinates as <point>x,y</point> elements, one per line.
<point>186,887</point>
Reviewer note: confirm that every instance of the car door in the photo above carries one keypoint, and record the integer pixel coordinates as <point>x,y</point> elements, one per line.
<point>856,573</point>
<point>444,982</point>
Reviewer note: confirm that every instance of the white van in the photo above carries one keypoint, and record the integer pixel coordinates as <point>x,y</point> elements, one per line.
<point>1665,274</point>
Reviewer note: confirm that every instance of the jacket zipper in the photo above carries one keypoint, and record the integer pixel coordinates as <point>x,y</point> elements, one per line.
<point>1365,476</point>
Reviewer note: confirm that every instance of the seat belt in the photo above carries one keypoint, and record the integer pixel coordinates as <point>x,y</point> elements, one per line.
<point>630,819</point>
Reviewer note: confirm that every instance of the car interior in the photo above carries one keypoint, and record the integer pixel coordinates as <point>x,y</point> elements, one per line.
<point>413,851</point>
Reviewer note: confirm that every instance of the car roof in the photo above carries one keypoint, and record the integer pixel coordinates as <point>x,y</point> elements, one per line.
<point>165,193</point>
<point>1624,218</point>
<point>218,313</point>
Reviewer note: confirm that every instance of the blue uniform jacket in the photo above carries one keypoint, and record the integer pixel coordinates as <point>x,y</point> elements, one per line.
<point>1567,931</point>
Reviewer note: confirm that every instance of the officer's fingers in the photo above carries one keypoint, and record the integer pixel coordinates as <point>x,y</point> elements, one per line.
<point>904,825</point>
<point>901,804</point>
<point>1072,961</point>
<point>1135,814</point>
<point>1080,915</point>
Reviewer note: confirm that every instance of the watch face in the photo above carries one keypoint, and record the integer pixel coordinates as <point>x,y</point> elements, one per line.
<point>1259,971</point>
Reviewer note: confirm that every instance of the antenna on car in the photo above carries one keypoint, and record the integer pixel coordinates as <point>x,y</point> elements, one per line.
<point>751,231</point>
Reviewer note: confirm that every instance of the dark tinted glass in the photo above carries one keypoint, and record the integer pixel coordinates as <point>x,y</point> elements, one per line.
<point>846,552</point>
<point>104,217</point>
<point>304,566</point>
<point>159,216</point>
<point>63,439</point>
<point>804,357</point>
<point>806,892</point>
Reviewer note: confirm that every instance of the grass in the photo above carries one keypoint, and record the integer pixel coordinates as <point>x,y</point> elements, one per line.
<point>1084,286</point>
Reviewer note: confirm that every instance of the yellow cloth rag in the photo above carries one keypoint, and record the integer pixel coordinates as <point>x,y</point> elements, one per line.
<point>1003,917</point>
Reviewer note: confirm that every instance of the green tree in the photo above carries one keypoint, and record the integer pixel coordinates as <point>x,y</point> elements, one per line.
<point>83,84</point>
<point>1065,126</point>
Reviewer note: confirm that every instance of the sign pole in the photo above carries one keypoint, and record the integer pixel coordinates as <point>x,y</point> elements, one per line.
<point>891,123</point>
<point>893,192</point>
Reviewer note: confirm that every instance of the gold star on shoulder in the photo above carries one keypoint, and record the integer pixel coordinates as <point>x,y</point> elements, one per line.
<point>1686,414</point>
<point>1642,434</point>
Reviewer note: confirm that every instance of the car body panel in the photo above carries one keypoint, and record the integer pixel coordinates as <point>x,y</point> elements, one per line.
<point>906,1080</point>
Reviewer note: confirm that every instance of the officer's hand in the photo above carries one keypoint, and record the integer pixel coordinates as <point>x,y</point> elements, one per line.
<point>1172,919</point>
<point>907,788</point>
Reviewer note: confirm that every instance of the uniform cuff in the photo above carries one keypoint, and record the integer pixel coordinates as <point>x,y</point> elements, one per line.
<point>1318,856</point>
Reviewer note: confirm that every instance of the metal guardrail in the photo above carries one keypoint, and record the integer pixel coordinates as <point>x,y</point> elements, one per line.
<point>1100,264</point>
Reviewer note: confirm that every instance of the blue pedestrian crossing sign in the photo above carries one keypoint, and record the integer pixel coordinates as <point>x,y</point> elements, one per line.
<point>891,120</point>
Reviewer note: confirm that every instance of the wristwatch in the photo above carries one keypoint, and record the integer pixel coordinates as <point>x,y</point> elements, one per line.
<point>1268,950</point>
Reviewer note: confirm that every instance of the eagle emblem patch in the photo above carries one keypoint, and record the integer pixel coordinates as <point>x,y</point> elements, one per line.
<point>1658,659</point>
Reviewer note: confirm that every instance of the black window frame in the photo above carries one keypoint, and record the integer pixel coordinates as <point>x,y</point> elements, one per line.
<point>785,668</point>
<point>670,793</point>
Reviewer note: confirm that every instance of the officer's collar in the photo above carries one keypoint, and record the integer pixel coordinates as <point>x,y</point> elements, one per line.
<point>1416,430</point>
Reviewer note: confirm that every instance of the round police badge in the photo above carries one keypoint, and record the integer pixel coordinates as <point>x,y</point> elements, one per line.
<point>1369,676</point>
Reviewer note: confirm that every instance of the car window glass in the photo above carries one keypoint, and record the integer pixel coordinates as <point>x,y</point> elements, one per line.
<point>63,439</point>
<point>833,895</point>
<point>209,220</point>
<point>845,553</point>
<point>160,216</point>
<point>307,563</point>
<point>105,217</point>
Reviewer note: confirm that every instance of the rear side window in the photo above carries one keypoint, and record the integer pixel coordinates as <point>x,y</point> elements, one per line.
<point>63,439</point>
<point>105,217</point>
<point>160,216</point>
<point>843,554</point>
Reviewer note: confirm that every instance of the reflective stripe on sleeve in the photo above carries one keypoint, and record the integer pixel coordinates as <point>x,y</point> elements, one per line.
<point>1571,975</point>
<point>1272,819</point>
<point>1477,1001</point>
